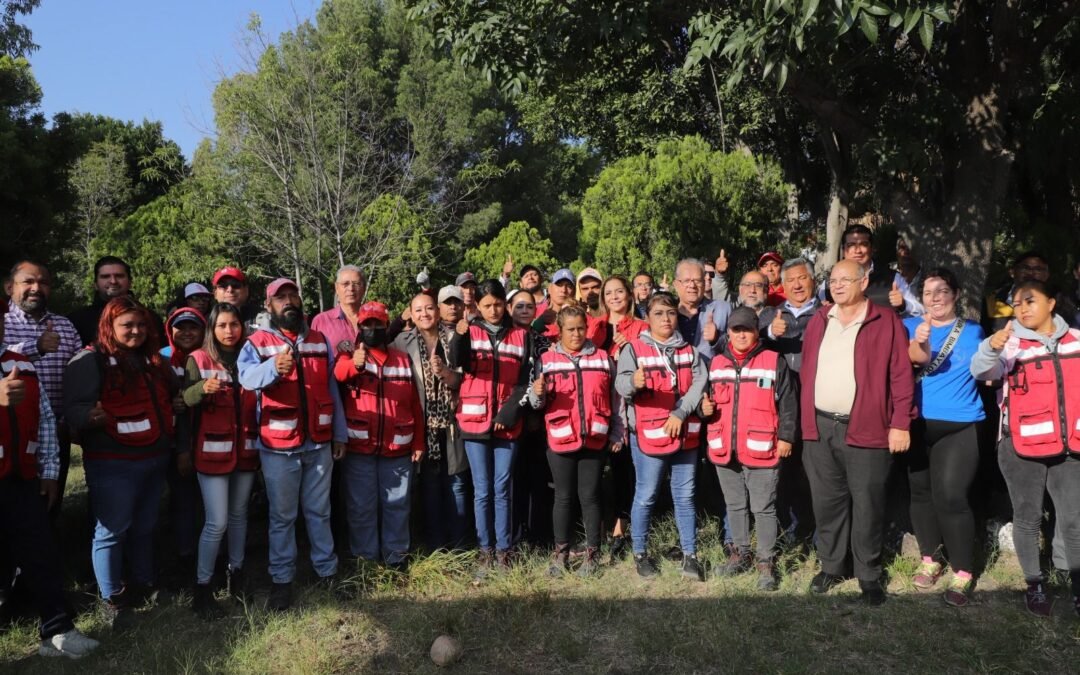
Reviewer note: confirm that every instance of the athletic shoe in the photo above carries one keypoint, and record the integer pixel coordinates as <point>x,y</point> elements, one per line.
<point>237,583</point>
<point>766,576</point>
<point>204,604</point>
<point>1037,601</point>
<point>280,597</point>
<point>116,613</point>
<point>620,546</point>
<point>926,576</point>
<point>958,593</point>
<point>646,567</point>
<point>872,593</point>
<point>590,565</point>
<point>71,644</point>
<point>691,568</point>
<point>824,582</point>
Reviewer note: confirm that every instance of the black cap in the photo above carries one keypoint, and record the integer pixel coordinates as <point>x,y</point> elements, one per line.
<point>743,317</point>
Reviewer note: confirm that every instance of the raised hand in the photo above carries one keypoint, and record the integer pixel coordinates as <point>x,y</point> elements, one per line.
<point>998,339</point>
<point>49,341</point>
<point>710,332</point>
<point>538,386</point>
<point>12,388</point>
<point>922,333</point>
<point>97,416</point>
<point>639,378</point>
<point>896,298</point>
<point>722,263</point>
<point>359,356</point>
<point>778,326</point>
<point>284,362</point>
<point>462,327</point>
<point>707,405</point>
<point>211,385</point>
<point>508,266</point>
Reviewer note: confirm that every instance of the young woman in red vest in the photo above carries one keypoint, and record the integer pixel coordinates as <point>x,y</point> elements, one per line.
<point>118,397</point>
<point>1038,357</point>
<point>617,299</point>
<point>494,356</point>
<point>386,436</point>
<point>663,377</point>
<point>574,388</point>
<point>223,436</point>
<point>751,412</point>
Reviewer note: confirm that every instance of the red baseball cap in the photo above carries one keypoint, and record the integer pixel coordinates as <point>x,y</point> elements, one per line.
<point>372,310</point>
<point>770,255</point>
<point>277,284</point>
<point>232,272</point>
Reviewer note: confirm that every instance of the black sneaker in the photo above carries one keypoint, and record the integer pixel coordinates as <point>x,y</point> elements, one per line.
<point>646,567</point>
<point>824,582</point>
<point>737,563</point>
<point>204,604</point>
<point>620,547</point>
<point>237,583</point>
<point>1037,601</point>
<point>691,568</point>
<point>280,597</point>
<point>872,593</point>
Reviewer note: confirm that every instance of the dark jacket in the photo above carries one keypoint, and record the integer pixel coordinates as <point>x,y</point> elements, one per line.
<point>786,393</point>
<point>884,386</point>
<point>791,344</point>
<point>461,357</point>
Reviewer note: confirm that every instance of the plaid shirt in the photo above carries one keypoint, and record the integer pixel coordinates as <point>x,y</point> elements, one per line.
<point>48,451</point>
<point>21,333</point>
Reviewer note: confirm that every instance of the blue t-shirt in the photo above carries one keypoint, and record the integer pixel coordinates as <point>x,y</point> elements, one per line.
<point>949,393</point>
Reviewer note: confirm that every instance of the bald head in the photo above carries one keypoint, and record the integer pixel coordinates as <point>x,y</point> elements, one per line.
<point>848,281</point>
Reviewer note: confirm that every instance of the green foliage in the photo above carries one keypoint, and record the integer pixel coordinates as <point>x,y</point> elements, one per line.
<point>522,242</point>
<point>397,243</point>
<point>15,38</point>
<point>647,211</point>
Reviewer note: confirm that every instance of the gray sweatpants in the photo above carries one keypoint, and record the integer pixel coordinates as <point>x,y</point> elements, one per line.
<point>741,485</point>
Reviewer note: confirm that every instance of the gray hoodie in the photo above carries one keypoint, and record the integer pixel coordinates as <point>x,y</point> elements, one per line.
<point>616,430</point>
<point>624,379</point>
<point>989,364</point>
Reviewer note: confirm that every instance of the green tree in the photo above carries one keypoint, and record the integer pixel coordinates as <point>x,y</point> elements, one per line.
<point>518,240</point>
<point>647,211</point>
<point>15,38</point>
<point>101,187</point>
<point>397,244</point>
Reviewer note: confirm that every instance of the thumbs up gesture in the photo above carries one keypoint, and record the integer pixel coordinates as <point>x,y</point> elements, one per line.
<point>211,385</point>
<point>998,339</point>
<point>438,366</point>
<point>778,326</point>
<point>359,355</point>
<point>12,388</point>
<point>538,386</point>
<point>508,266</point>
<point>707,405</point>
<point>896,298</point>
<point>722,263</point>
<point>922,333</point>
<point>284,362</point>
<point>462,327</point>
<point>710,331</point>
<point>639,378</point>
<point>49,341</point>
<point>96,418</point>
<point>664,282</point>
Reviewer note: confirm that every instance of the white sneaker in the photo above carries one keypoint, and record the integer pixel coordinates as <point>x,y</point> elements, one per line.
<point>71,644</point>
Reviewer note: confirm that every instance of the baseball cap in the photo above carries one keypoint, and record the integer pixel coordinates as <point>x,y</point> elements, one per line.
<point>372,310</point>
<point>277,284</point>
<point>589,273</point>
<point>186,314</point>
<point>231,272</point>
<point>770,255</point>
<point>530,268</point>
<point>563,275</point>
<point>465,278</point>
<point>450,293</point>
<point>195,289</point>
<point>743,317</point>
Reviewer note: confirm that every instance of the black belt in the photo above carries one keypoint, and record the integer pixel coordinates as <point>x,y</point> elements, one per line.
<point>835,417</point>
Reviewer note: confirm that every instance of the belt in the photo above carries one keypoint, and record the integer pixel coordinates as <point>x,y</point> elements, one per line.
<point>835,417</point>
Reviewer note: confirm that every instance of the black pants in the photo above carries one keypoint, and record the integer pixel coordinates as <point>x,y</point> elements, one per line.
<point>532,495</point>
<point>848,486</point>
<point>26,539</point>
<point>621,493</point>
<point>794,508</point>
<point>577,472</point>
<point>942,464</point>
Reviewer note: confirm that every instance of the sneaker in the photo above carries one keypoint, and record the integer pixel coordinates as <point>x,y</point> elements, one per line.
<point>71,644</point>
<point>620,546</point>
<point>646,567</point>
<point>204,604</point>
<point>1037,601</point>
<point>503,561</point>
<point>737,563</point>
<point>872,593</point>
<point>958,592</point>
<point>824,582</point>
<point>691,568</point>
<point>559,561</point>
<point>280,597</point>
<point>766,580</point>
<point>927,575</point>
<point>237,583</point>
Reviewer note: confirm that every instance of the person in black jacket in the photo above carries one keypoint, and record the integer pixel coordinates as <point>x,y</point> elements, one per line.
<point>857,244</point>
<point>112,279</point>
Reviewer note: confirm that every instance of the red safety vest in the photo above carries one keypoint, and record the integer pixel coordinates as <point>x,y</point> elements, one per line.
<point>578,397</point>
<point>137,412</point>
<point>19,423</point>
<point>746,417</point>
<point>298,406</point>
<point>225,431</point>
<point>379,406</point>
<point>1042,399</point>
<point>496,367</point>
<point>654,403</point>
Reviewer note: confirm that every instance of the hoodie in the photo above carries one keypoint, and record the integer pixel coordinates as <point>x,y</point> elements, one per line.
<point>624,378</point>
<point>988,364</point>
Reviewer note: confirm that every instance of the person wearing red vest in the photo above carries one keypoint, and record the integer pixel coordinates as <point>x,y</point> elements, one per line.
<point>29,468</point>
<point>561,293</point>
<point>1038,357</point>
<point>224,452</point>
<point>301,431</point>
<point>494,356</point>
<point>386,436</point>
<point>574,389</point>
<point>118,398</point>
<point>662,377</point>
<point>751,412</point>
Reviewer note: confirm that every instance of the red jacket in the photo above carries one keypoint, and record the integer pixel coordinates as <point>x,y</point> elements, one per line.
<point>19,424</point>
<point>382,407</point>
<point>629,326</point>
<point>224,428</point>
<point>884,384</point>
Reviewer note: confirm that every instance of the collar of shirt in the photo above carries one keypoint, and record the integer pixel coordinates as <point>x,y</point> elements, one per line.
<point>17,314</point>
<point>834,313</point>
<point>808,306</point>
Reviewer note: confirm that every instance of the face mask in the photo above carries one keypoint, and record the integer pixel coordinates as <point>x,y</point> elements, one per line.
<point>372,337</point>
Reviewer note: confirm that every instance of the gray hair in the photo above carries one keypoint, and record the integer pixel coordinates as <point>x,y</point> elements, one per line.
<point>349,268</point>
<point>690,261</point>
<point>797,262</point>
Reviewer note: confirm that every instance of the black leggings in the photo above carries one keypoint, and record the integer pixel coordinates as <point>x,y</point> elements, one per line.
<point>577,472</point>
<point>942,463</point>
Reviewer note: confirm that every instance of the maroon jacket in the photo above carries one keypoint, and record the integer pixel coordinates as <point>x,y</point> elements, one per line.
<point>884,386</point>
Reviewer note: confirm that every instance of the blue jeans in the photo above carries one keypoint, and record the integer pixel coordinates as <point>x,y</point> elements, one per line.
<point>225,499</point>
<point>378,486</point>
<point>492,464</point>
<point>124,495</point>
<point>650,471</point>
<point>295,479</point>
<point>446,506</point>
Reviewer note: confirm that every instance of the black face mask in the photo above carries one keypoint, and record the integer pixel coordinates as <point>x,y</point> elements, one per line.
<point>372,336</point>
<point>593,301</point>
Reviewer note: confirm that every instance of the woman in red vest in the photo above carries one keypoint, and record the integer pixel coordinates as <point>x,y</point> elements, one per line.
<point>223,436</point>
<point>1038,357</point>
<point>751,411</point>
<point>574,388</point>
<point>663,377</point>
<point>494,355</point>
<point>118,397</point>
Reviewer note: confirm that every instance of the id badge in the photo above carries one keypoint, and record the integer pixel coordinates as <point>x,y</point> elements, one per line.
<point>765,382</point>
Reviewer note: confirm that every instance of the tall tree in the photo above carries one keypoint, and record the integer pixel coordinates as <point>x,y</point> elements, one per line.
<point>101,186</point>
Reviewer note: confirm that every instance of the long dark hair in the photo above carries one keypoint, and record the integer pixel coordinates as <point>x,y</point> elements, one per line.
<point>210,344</point>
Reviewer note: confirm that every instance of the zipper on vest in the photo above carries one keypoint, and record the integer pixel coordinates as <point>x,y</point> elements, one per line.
<point>301,393</point>
<point>1061,401</point>
<point>238,415</point>
<point>379,411</point>
<point>494,339</point>
<point>580,400</point>
<point>734,447</point>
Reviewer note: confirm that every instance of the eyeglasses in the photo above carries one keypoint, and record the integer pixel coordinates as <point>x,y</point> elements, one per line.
<point>842,281</point>
<point>691,282</point>
<point>351,284</point>
<point>710,275</point>
<point>752,284</point>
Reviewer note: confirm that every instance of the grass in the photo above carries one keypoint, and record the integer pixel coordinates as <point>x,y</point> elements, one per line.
<point>524,622</point>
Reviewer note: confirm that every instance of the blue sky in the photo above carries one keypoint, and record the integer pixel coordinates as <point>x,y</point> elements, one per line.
<point>152,59</point>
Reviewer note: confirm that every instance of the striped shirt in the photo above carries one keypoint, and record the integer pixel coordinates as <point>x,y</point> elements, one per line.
<point>21,333</point>
<point>48,451</point>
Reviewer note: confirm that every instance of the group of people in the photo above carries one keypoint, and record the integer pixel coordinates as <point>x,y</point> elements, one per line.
<point>801,400</point>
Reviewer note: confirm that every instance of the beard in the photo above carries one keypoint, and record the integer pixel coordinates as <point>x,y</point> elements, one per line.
<point>290,319</point>
<point>753,304</point>
<point>533,289</point>
<point>593,301</point>
<point>32,304</point>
